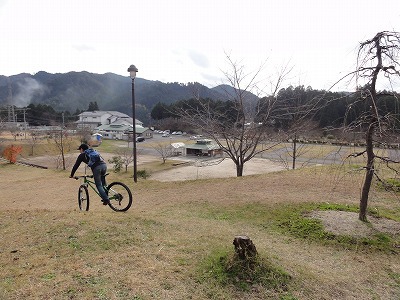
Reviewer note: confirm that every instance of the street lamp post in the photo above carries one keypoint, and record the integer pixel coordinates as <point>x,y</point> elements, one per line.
<point>132,74</point>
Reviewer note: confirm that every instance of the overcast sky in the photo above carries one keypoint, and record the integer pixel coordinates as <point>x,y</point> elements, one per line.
<point>186,41</point>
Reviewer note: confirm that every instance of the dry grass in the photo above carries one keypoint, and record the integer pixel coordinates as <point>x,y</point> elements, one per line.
<point>323,151</point>
<point>50,250</point>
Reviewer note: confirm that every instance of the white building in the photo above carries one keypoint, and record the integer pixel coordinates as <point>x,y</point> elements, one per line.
<point>122,131</point>
<point>93,119</point>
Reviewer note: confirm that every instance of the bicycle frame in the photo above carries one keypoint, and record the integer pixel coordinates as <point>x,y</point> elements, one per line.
<point>89,183</point>
<point>92,185</point>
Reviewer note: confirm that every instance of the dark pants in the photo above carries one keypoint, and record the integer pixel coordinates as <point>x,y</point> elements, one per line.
<point>99,173</point>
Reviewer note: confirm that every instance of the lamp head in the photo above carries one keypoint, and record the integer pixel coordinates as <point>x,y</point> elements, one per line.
<point>132,71</point>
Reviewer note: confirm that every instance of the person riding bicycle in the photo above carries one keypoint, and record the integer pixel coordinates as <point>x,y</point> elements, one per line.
<point>99,170</point>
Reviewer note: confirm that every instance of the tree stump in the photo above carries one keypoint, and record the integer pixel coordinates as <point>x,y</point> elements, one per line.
<point>244,247</point>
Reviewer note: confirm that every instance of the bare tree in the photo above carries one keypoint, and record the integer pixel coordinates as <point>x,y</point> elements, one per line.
<point>377,61</point>
<point>84,134</point>
<point>63,145</point>
<point>14,130</point>
<point>164,149</point>
<point>231,123</point>
<point>293,150</point>
<point>2,125</point>
<point>292,116</point>
<point>126,157</point>
<point>2,128</point>
<point>33,141</point>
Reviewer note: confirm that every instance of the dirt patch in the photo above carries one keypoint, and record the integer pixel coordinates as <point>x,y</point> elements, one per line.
<point>215,168</point>
<point>347,223</point>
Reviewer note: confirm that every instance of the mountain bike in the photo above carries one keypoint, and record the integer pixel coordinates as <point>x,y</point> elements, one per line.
<point>119,194</point>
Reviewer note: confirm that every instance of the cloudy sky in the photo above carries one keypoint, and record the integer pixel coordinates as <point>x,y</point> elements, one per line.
<point>186,41</point>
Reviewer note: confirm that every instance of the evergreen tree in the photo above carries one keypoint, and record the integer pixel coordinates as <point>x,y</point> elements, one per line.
<point>93,106</point>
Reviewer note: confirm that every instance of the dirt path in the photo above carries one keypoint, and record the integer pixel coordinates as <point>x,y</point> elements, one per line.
<point>215,168</point>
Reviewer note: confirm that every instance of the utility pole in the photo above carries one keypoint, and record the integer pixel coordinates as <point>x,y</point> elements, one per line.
<point>11,113</point>
<point>24,122</point>
<point>11,116</point>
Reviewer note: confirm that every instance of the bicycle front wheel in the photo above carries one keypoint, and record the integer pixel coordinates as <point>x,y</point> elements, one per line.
<point>120,196</point>
<point>83,198</point>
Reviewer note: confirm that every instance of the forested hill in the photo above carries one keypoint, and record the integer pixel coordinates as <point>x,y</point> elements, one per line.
<point>75,90</point>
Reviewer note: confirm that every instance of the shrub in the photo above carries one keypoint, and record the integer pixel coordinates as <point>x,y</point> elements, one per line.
<point>11,153</point>
<point>118,163</point>
<point>143,174</point>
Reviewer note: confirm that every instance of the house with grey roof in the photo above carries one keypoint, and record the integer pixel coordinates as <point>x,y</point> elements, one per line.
<point>112,125</point>
<point>121,131</point>
<point>93,119</point>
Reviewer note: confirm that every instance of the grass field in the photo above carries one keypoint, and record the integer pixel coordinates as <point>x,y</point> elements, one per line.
<point>174,241</point>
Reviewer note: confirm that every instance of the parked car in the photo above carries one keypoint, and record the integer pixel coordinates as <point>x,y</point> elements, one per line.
<point>140,139</point>
<point>165,135</point>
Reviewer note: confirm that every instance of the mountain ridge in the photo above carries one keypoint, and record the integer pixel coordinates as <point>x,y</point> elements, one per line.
<point>74,91</point>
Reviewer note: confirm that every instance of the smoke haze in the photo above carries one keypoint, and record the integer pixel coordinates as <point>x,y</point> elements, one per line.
<point>26,91</point>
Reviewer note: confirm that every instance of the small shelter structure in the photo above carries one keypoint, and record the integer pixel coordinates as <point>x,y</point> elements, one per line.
<point>203,147</point>
<point>177,149</point>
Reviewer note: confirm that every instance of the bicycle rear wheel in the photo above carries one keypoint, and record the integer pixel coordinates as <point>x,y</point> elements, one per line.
<point>83,197</point>
<point>120,196</point>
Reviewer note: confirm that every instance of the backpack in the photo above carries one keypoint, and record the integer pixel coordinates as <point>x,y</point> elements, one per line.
<point>93,157</point>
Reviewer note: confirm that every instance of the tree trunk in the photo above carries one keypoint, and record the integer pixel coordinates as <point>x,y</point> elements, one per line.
<point>62,151</point>
<point>368,175</point>
<point>239,170</point>
<point>370,132</point>
<point>244,247</point>
<point>294,152</point>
